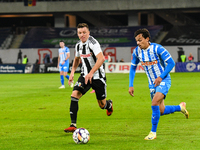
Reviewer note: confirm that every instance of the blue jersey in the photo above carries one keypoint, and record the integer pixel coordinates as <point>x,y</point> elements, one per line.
<point>153,59</point>
<point>63,54</point>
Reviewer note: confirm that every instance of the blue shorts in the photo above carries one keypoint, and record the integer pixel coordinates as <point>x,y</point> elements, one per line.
<point>64,67</point>
<point>162,88</point>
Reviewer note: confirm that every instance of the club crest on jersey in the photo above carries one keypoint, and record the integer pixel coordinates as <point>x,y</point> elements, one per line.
<point>86,55</point>
<point>149,63</point>
<point>111,67</point>
<point>152,57</point>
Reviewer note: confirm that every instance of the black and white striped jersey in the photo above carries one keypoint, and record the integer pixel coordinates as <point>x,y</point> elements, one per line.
<point>87,52</point>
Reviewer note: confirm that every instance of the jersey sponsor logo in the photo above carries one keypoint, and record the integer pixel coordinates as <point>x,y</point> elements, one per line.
<point>148,63</point>
<point>86,55</point>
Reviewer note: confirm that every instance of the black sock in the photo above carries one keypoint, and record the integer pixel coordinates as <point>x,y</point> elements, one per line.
<point>108,105</point>
<point>73,109</point>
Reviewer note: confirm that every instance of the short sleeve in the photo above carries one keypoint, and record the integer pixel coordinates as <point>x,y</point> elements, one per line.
<point>67,50</point>
<point>76,50</point>
<point>164,54</point>
<point>134,59</point>
<point>96,48</point>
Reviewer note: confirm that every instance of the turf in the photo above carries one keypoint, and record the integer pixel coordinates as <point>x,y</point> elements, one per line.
<point>34,113</point>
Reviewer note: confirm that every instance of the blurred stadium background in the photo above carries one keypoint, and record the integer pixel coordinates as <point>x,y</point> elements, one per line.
<point>36,26</point>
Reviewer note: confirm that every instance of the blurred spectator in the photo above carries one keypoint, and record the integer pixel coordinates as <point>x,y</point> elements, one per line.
<point>37,66</point>
<point>122,60</point>
<point>21,28</point>
<point>107,58</point>
<point>47,59</point>
<point>180,52</point>
<point>190,58</point>
<point>13,30</point>
<point>1,61</point>
<point>19,57</point>
<point>25,60</point>
<point>55,61</point>
<point>37,61</point>
<point>183,58</point>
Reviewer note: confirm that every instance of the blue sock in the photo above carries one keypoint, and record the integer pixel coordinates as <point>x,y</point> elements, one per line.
<point>171,109</point>
<point>67,76</point>
<point>155,117</point>
<point>62,79</point>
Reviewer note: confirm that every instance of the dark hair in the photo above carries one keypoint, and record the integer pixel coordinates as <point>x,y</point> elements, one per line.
<point>62,41</point>
<point>145,33</point>
<point>82,25</point>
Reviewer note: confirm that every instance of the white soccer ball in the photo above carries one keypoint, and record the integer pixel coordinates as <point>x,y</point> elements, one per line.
<point>81,135</point>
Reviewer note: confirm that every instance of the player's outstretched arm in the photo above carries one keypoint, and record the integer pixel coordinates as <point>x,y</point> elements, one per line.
<point>131,79</point>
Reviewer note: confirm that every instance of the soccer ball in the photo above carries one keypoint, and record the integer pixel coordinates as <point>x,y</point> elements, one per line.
<point>81,135</point>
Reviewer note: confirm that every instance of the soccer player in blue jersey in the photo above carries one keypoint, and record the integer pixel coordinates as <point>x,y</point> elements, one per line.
<point>157,63</point>
<point>63,63</point>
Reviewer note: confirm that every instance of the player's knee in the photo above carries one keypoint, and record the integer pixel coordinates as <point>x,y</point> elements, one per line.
<point>65,73</point>
<point>155,102</point>
<point>76,94</point>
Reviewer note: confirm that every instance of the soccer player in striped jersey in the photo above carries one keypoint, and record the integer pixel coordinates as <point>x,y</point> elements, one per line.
<point>157,63</point>
<point>88,51</point>
<point>63,63</point>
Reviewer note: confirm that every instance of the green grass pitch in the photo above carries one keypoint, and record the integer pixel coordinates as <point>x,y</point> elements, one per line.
<point>34,113</point>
